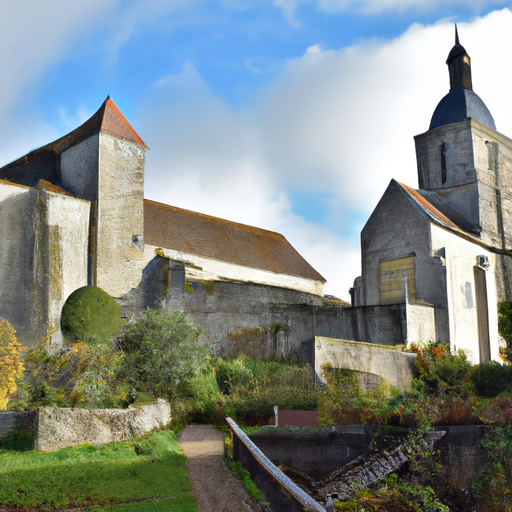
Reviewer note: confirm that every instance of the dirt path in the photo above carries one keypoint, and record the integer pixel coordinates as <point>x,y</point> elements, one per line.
<point>215,488</point>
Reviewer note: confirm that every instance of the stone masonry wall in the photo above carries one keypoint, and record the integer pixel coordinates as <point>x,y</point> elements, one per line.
<point>62,427</point>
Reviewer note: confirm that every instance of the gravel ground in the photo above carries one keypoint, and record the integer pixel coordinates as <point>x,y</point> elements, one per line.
<point>215,488</point>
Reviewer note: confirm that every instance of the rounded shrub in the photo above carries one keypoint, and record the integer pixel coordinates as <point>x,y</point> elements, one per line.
<point>90,314</point>
<point>492,378</point>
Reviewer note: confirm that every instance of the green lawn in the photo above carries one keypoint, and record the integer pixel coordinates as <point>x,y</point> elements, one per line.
<point>106,477</point>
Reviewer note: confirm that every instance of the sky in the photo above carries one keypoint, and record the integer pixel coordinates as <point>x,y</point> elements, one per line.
<point>288,115</point>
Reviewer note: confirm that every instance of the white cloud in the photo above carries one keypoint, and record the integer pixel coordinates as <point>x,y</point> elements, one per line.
<point>336,121</point>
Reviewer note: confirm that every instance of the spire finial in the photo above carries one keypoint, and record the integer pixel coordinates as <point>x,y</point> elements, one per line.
<point>459,65</point>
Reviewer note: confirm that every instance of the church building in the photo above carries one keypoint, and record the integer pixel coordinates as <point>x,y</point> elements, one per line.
<point>435,261</point>
<point>445,249</point>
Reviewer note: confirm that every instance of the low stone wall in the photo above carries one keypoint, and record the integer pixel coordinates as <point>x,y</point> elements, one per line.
<point>62,427</point>
<point>393,365</point>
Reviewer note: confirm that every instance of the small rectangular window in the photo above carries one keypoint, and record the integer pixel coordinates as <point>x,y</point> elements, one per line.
<point>395,277</point>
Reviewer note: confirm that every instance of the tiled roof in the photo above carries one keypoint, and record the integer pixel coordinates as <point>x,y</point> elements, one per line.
<point>189,232</point>
<point>431,210</point>
<point>108,118</point>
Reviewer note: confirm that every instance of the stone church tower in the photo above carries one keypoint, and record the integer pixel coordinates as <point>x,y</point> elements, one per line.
<point>467,165</point>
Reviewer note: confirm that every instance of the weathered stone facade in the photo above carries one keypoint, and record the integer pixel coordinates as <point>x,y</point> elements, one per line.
<point>435,261</point>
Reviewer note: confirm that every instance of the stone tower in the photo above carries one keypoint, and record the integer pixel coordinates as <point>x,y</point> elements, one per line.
<point>102,162</point>
<point>468,164</point>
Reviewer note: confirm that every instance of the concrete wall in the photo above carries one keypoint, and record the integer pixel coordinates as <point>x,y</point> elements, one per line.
<point>279,491</point>
<point>460,259</point>
<point>62,266</point>
<point>319,451</point>
<point>120,211</point>
<point>62,427</point>
<point>256,319</point>
<point>16,260</point>
<point>421,323</point>
<point>394,366</point>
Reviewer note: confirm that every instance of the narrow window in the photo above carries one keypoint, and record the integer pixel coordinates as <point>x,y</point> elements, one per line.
<point>443,163</point>
<point>396,280</point>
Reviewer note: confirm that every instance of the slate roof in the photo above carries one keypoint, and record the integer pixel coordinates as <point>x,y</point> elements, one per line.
<point>458,105</point>
<point>190,232</point>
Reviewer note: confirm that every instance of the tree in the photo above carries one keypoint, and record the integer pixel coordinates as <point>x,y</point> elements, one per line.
<point>11,365</point>
<point>162,351</point>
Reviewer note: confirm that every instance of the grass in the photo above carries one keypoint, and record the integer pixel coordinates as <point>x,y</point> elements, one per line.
<point>142,475</point>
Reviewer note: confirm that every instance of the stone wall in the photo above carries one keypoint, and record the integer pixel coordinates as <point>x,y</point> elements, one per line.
<point>394,366</point>
<point>55,428</point>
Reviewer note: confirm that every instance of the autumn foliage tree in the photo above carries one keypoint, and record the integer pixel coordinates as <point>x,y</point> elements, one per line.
<point>11,365</point>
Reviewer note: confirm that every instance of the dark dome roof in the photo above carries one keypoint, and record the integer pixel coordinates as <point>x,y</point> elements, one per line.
<point>458,105</point>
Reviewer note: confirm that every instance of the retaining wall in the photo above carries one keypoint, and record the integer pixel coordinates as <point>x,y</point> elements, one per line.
<point>279,490</point>
<point>55,428</point>
<point>393,365</point>
<point>318,451</point>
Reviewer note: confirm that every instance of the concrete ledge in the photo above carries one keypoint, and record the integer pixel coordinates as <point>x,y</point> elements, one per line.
<point>304,500</point>
<point>390,363</point>
<point>63,427</point>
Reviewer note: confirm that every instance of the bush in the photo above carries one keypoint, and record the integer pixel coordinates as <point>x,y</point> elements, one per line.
<point>494,485</point>
<point>346,402</point>
<point>11,366</point>
<point>442,372</point>
<point>491,379</point>
<point>80,376</point>
<point>163,352</point>
<point>91,315</point>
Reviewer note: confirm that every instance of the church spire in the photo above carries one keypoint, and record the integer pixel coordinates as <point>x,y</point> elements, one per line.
<point>459,65</point>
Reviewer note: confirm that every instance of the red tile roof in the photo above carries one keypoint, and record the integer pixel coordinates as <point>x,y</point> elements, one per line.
<point>189,232</point>
<point>107,118</point>
<point>431,210</point>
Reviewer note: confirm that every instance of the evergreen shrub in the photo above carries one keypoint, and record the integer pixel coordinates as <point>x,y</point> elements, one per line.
<point>90,315</point>
<point>491,379</point>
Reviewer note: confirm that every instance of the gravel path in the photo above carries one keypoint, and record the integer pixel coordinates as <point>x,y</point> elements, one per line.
<point>215,488</point>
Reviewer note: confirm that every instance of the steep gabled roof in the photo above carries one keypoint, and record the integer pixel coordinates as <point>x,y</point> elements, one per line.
<point>189,232</point>
<point>108,118</point>
<point>426,207</point>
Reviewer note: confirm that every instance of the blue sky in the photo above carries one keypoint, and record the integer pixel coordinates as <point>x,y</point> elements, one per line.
<point>290,115</point>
